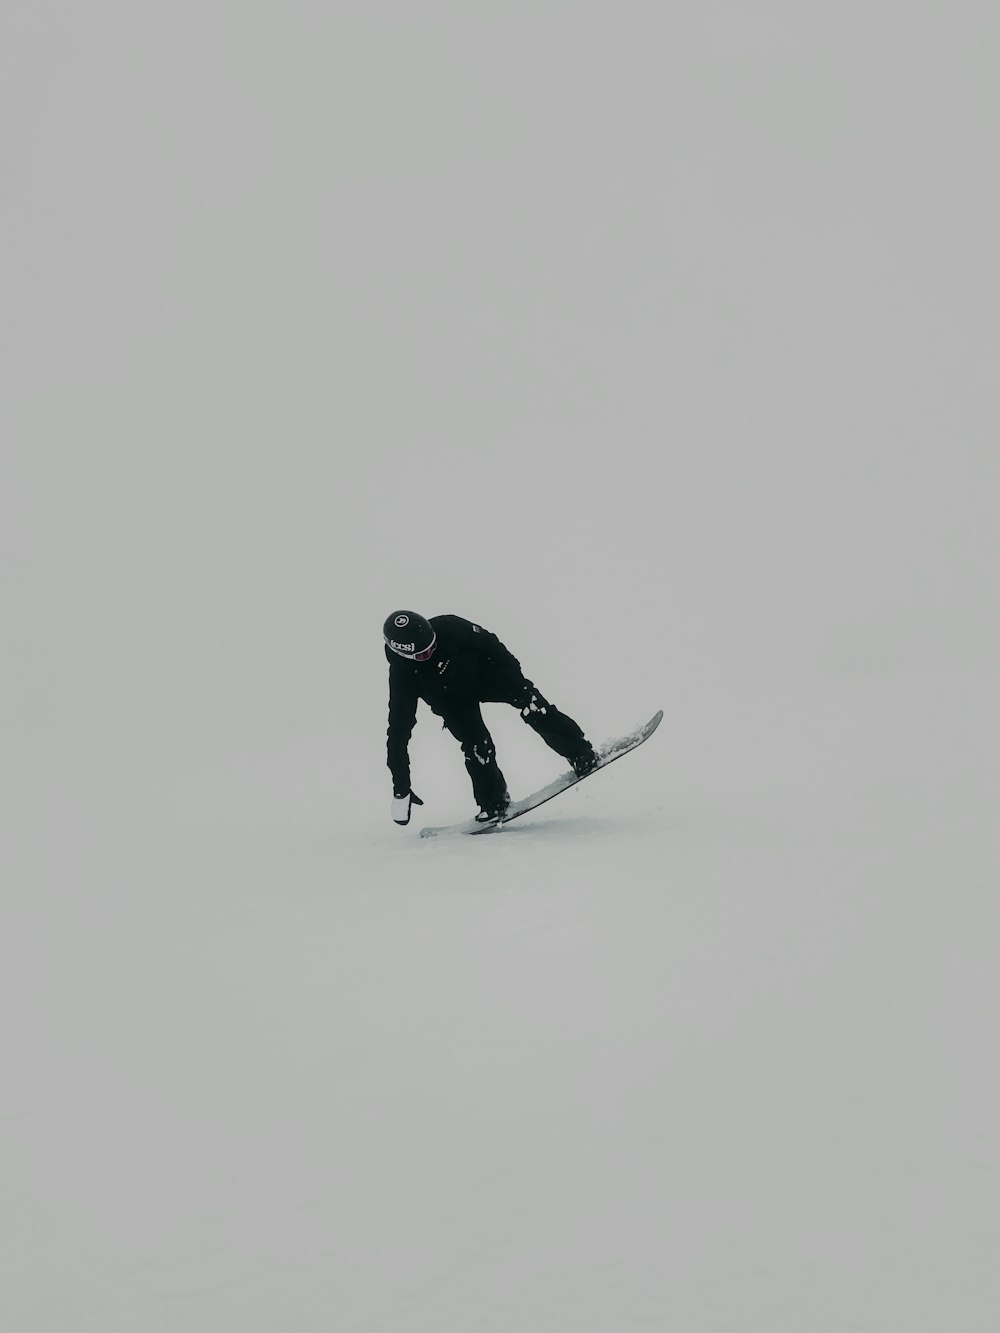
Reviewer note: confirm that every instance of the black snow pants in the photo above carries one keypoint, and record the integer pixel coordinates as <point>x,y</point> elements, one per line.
<point>464,719</point>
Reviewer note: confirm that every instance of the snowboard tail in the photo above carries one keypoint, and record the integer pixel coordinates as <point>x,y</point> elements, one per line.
<point>607,754</point>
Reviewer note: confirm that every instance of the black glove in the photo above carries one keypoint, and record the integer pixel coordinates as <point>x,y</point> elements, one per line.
<point>401,802</point>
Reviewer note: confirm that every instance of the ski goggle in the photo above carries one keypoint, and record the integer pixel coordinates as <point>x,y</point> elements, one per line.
<point>424,655</point>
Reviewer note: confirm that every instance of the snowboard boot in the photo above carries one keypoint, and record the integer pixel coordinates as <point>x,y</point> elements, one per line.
<point>496,811</point>
<point>585,762</point>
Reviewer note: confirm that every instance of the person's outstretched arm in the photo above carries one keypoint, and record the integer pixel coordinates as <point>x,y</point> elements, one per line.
<point>402,717</point>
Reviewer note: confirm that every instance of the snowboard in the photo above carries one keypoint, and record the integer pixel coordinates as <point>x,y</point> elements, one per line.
<point>607,754</point>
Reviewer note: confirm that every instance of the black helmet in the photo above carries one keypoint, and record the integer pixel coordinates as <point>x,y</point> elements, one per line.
<point>409,635</point>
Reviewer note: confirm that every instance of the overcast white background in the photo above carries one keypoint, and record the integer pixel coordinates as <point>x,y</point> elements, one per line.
<point>662,340</point>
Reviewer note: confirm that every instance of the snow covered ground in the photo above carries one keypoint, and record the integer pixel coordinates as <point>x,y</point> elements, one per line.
<point>664,345</point>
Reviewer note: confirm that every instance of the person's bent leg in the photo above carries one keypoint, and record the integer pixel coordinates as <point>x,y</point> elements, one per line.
<point>488,783</point>
<point>557,729</point>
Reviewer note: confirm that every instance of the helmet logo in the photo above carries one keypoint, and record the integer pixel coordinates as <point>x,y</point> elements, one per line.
<point>400,621</point>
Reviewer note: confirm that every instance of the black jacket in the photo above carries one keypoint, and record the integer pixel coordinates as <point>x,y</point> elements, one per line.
<point>469,665</point>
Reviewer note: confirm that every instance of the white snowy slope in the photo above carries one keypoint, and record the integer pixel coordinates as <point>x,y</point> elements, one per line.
<point>684,1053</point>
<point>663,345</point>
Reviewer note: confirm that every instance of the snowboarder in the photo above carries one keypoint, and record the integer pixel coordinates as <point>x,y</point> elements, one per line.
<point>454,666</point>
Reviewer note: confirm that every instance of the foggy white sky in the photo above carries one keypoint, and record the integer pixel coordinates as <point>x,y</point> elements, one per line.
<point>319,310</point>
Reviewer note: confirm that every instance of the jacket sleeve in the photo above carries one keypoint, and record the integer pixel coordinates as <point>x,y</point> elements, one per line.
<point>402,716</point>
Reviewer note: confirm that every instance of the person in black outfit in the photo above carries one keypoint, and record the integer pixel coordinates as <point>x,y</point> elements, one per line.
<point>455,666</point>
